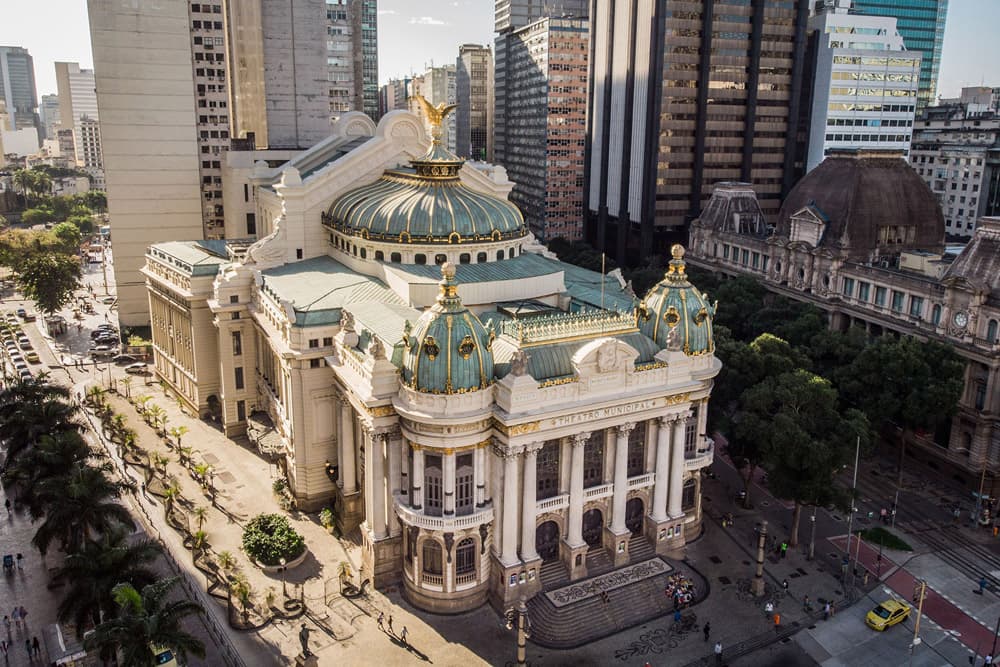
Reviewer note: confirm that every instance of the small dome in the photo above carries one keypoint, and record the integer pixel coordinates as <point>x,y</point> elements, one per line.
<point>426,203</point>
<point>448,351</point>
<point>675,314</point>
<point>867,197</point>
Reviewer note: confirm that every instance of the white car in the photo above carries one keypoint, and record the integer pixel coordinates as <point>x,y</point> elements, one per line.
<point>137,369</point>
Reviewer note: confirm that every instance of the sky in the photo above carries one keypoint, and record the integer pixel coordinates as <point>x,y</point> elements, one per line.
<point>416,33</point>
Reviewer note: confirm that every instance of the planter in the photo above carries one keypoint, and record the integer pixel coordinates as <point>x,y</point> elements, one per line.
<point>274,569</point>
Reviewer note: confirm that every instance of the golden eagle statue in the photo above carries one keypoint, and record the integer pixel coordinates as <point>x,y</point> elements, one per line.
<point>434,114</point>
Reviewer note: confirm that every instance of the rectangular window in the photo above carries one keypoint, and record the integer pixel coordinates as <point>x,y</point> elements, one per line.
<point>916,306</point>
<point>328,341</point>
<point>234,298</point>
<point>547,471</point>
<point>315,363</point>
<point>897,301</point>
<point>237,343</point>
<point>637,450</point>
<point>745,257</point>
<point>755,260</point>
<point>241,410</point>
<point>464,488</point>
<point>864,290</point>
<point>432,485</point>
<point>251,224</point>
<point>725,251</point>
<point>880,296</point>
<point>238,373</point>
<point>691,436</point>
<point>848,287</point>
<point>593,460</point>
<point>314,342</point>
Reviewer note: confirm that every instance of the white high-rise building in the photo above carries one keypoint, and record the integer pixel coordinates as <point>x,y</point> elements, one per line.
<point>865,83</point>
<point>78,112</point>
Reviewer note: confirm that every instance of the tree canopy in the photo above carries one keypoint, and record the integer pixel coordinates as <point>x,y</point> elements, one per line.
<point>48,279</point>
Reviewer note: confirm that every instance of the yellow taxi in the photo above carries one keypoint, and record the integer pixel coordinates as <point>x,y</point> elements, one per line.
<point>887,614</point>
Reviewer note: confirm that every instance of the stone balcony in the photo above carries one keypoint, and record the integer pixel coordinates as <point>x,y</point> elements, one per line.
<point>702,457</point>
<point>447,524</point>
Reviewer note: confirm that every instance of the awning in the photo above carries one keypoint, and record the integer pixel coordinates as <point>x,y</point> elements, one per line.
<point>62,650</point>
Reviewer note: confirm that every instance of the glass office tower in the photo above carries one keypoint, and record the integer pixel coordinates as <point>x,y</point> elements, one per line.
<point>921,23</point>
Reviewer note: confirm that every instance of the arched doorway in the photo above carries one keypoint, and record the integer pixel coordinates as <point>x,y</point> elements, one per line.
<point>633,515</point>
<point>547,540</point>
<point>593,524</point>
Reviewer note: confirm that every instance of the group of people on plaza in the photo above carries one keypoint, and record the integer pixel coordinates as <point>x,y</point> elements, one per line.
<point>381,621</point>
<point>681,589</point>
<point>18,618</point>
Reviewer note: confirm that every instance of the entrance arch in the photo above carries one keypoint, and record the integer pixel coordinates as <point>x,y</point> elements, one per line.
<point>634,510</point>
<point>593,525</point>
<point>547,541</point>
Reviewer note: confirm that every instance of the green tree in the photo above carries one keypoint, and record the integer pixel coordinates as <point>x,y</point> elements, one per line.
<point>94,571</point>
<point>907,383</point>
<point>66,238</point>
<point>740,299</point>
<point>49,280</point>
<point>78,507</point>
<point>85,223</point>
<point>147,619</point>
<point>38,216</point>
<point>55,455</point>
<point>96,200</point>
<point>29,410</point>
<point>803,438</point>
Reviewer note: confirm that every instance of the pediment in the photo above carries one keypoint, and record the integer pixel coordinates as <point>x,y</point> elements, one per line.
<point>604,356</point>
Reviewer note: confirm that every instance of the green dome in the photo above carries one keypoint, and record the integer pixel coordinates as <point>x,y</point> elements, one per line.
<point>448,351</point>
<point>425,204</point>
<point>675,305</point>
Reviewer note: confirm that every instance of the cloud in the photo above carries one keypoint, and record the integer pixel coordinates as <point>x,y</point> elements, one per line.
<point>426,20</point>
<point>383,12</point>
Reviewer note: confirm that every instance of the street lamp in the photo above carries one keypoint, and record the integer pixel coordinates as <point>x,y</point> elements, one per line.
<point>284,590</point>
<point>812,534</point>
<point>757,585</point>
<point>519,617</point>
<point>916,626</point>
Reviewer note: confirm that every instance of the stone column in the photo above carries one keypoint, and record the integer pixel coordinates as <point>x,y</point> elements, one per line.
<point>449,482</point>
<point>370,482</point>
<point>417,502</point>
<point>701,431</point>
<point>677,468</point>
<point>509,553</point>
<point>659,512</point>
<point>574,532</point>
<point>379,483</point>
<point>529,505</point>
<point>348,469</point>
<point>621,478</point>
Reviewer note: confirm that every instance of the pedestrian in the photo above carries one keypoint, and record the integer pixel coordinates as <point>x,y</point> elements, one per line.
<point>768,609</point>
<point>707,630</point>
<point>982,584</point>
<point>777,622</point>
<point>805,603</point>
<point>988,660</point>
<point>784,549</point>
<point>20,565</point>
<point>16,615</point>
<point>4,647</point>
<point>381,619</point>
<point>390,625</point>
<point>402,636</point>
<point>677,617</point>
<point>956,515</point>
<point>826,612</point>
<point>884,516</point>
<point>718,654</point>
<point>36,648</point>
<point>6,624</point>
<point>24,616</point>
<point>6,503</point>
<point>27,647</point>
<point>784,584</point>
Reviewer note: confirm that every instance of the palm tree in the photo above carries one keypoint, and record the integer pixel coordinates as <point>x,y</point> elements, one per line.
<point>202,471</point>
<point>94,571</point>
<point>54,456</point>
<point>178,432</point>
<point>170,496</point>
<point>79,506</point>
<point>25,420</point>
<point>200,515</point>
<point>147,619</point>
<point>243,591</point>
<point>226,561</point>
<point>127,383</point>
<point>95,395</point>
<point>199,541</point>
<point>184,454</point>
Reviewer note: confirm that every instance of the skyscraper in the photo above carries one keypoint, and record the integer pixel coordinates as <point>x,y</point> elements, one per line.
<point>17,86</point>
<point>864,83</point>
<point>921,23</point>
<point>48,112</point>
<point>685,95</point>
<point>474,94</point>
<point>541,123</point>
<point>437,85</point>
<point>78,107</point>
<point>352,56</point>
<point>514,14</point>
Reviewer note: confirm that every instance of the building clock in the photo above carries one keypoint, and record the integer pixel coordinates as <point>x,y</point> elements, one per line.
<point>961,319</point>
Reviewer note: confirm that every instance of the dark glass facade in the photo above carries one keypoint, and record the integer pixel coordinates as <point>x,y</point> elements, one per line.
<point>921,23</point>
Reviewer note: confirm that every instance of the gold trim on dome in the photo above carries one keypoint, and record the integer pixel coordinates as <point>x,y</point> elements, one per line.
<point>701,316</point>
<point>671,317</point>
<point>431,348</point>
<point>466,347</point>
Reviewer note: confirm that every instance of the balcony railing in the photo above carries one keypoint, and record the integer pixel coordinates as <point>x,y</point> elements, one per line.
<point>641,481</point>
<point>465,579</point>
<point>602,491</point>
<point>703,457</point>
<point>432,579</point>
<point>554,503</point>
<point>417,518</point>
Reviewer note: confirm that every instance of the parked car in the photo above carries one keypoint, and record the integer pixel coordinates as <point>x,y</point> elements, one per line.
<point>20,366</point>
<point>102,351</point>
<point>21,312</point>
<point>24,343</point>
<point>32,357</point>
<point>109,300</point>
<point>26,374</point>
<point>125,359</point>
<point>111,331</point>
<point>137,369</point>
<point>887,614</point>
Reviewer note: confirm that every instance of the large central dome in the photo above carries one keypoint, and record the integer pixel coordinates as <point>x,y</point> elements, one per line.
<point>426,203</point>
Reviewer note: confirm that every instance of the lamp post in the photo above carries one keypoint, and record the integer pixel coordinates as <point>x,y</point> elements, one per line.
<point>850,518</point>
<point>519,617</point>
<point>916,626</point>
<point>757,585</point>
<point>812,534</point>
<point>284,590</point>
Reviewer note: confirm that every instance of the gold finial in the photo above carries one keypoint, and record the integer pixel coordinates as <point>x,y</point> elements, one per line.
<point>449,288</point>
<point>677,250</point>
<point>434,114</point>
<point>448,271</point>
<point>675,269</point>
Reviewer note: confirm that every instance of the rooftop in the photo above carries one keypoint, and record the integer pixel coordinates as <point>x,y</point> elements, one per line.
<point>195,258</point>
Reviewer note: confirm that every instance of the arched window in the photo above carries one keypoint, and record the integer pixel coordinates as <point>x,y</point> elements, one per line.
<point>354,250</point>
<point>432,485</point>
<point>991,331</point>
<point>464,258</point>
<point>420,259</point>
<point>480,258</point>
<point>687,497</point>
<point>364,253</point>
<point>510,253</point>
<point>440,259</point>
<point>379,256</point>
<point>547,471</point>
<point>936,314</point>
<point>499,255</point>
<point>465,490</point>
<point>637,450</point>
<point>432,558</point>
<point>465,557</point>
<point>395,258</point>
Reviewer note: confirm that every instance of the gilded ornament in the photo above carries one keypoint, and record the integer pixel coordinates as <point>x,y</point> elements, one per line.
<point>466,347</point>
<point>431,348</point>
<point>521,429</point>
<point>671,316</point>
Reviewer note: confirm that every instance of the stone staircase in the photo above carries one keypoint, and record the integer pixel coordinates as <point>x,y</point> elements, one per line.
<point>553,574</point>
<point>593,618</point>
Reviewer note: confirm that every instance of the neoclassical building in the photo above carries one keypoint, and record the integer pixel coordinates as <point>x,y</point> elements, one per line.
<point>862,237</point>
<point>399,343</point>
